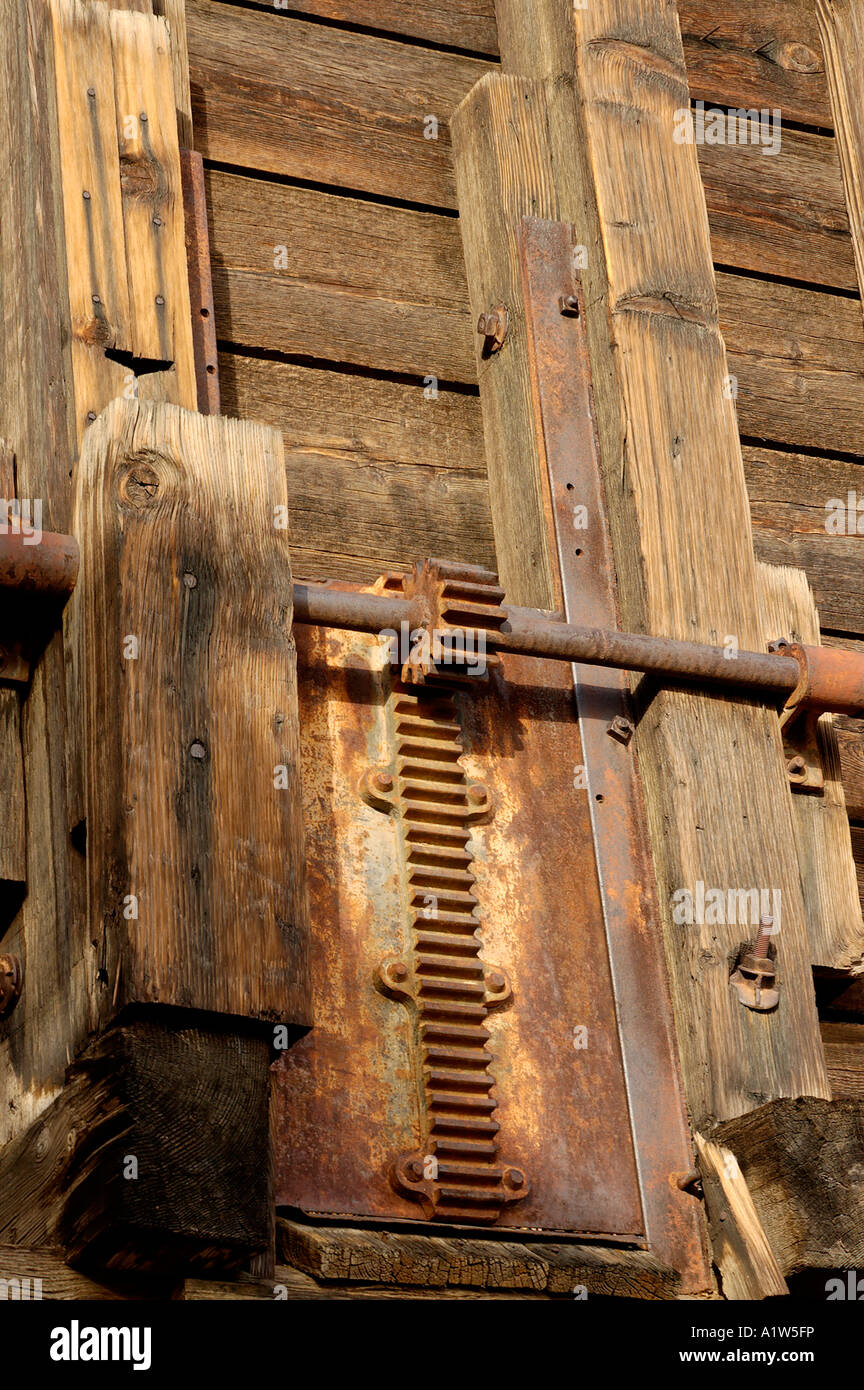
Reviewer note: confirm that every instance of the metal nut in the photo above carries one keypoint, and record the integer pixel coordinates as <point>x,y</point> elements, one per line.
<point>493,325</point>
<point>620,729</point>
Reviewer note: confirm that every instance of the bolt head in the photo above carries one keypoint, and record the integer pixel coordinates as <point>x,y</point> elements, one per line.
<point>384,781</point>
<point>476,794</point>
<point>496,982</point>
<point>414,1170</point>
<point>398,971</point>
<point>515,1178</point>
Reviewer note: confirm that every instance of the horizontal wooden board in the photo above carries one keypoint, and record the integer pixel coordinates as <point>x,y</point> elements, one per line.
<point>301,271</point>
<point>378,474</point>
<point>844,1055</point>
<point>789,496</point>
<point>384,287</point>
<point>279,94</point>
<point>466,24</point>
<point>767,54</point>
<point>781,214</point>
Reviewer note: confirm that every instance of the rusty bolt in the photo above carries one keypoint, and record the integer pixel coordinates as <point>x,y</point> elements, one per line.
<point>383,781</point>
<point>515,1178</point>
<point>796,767</point>
<point>414,1170</point>
<point>620,728</point>
<point>493,326</point>
<point>496,982</point>
<point>476,793</point>
<point>685,1181</point>
<point>569,304</point>
<point>398,971</point>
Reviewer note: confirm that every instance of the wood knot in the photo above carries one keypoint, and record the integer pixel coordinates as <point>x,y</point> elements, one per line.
<point>144,476</point>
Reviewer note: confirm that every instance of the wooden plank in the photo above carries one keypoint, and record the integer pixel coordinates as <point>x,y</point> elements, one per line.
<point>781,214</point>
<point>850,741</point>
<point>756,55</point>
<point>793,497</point>
<point>154,1155</point>
<point>30,1274</point>
<point>13,827</point>
<point>92,201</point>
<point>293,1284</point>
<point>195,853</point>
<point>465,24</point>
<point>742,1254</point>
<point>661,400</point>
<point>322,103</point>
<point>828,878</point>
<point>379,473</point>
<point>801,1160</point>
<point>844,1057</point>
<point>349,1254</point>
<point>303,272</point>
<point>797,354</point>
<point>35,372</point>
<point>174,12</point>
<point>798,359</point>
<point>160,320</point>
<point>841,26</point>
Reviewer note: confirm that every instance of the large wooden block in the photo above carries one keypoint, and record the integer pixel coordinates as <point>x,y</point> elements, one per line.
<point>181,639</point>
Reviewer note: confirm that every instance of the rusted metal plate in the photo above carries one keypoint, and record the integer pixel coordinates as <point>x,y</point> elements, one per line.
<point>562,388</point>
<point>465,1063</point>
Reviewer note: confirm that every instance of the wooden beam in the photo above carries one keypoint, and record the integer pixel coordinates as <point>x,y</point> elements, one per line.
<point>828,880</point>
<point>841,27</point>
<point>189,717</point>
<point>803,1162</point>
<point>742,1254</point>
<point>350,1255</point>
<point>156,1153</point>
<point>558,142</point>
<point>13,826</point>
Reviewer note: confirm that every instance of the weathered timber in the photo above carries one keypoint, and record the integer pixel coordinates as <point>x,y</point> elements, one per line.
<point>160,327</point>
<point>796,354</point>
<point>465,24</point>
<point>799,508</point>
<point>803,1162</point>
<point>35,373</point>
<point>841,26</point>
<point>661,394</point>
<point>291,1284</point>
<point>756,55</point>
<point>781,213</point>
<point>28,1273</point>
<point>850,742</point>
<point>378,473</point>
<point>844,1057</point>
<point>322,103</point>
<point>13,841</point>
<point>349,1254</point>
<point>828,880</point>
<point>174,11</point>
<point>747,1266</point>
<point>304,272</point>
<point>154,1156</point>
<point>189,719</point>
<point>123,213</point>
<point>857,833</point>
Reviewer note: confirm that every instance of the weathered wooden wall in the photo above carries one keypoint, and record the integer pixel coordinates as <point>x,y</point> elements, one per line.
<point>340,287</point>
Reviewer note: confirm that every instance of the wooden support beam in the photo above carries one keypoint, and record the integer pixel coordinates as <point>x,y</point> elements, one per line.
<point>828,878</point>
<point>741,1251</point>
<point>556,140</point>
<point>154,1155</point>
<point>351,1255</point>
<point>13,840</point>
<point>803,1163</point>
<point>841,29</point>
<point>189,716</point>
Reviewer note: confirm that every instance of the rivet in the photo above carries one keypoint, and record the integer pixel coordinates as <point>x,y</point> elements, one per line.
<point>160,299</point>
<point>190,580</point>
<point>91,91</point>
<point>86,195</point>
<point>198,751</point>
<point>476,793</point>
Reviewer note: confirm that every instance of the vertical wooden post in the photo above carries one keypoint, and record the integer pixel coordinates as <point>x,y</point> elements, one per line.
<point>584,129</point>
<point>841,28</point>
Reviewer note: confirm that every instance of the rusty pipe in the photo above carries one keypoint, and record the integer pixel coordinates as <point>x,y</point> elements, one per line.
<point>47,566</point>
<point>533,633</point>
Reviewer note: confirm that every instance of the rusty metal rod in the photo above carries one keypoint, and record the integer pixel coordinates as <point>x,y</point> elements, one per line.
<point>45,564</point>
<point>533,633</point>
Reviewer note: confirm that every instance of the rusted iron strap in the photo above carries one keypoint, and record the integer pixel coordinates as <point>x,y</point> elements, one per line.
<point>47,566</point>
<point>535,634</point>
<point>200,282</point>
